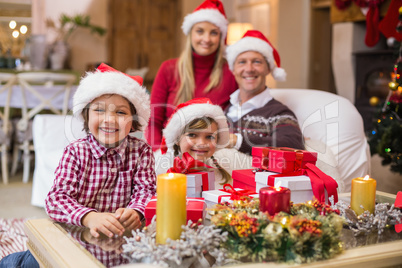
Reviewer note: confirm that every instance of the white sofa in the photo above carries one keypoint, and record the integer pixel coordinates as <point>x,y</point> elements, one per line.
<point>330,122</point>
<point>51,134</point>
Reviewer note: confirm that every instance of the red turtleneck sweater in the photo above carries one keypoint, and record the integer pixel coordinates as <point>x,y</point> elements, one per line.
<point>165,86</point>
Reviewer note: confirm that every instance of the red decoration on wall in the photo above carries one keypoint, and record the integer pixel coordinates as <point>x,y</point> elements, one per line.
<point>372,18</point>
<point>389,23</point>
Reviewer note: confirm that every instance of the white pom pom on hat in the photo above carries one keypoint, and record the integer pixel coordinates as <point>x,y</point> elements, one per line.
<point>254,40</point>
<point>106,80</point>
<point>211,11</point>
<point>187,112</point>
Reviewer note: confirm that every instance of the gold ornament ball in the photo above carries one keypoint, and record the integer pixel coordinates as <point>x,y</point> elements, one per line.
<point>393,85</point>
<point>374,101</point>
<point>400,10</point>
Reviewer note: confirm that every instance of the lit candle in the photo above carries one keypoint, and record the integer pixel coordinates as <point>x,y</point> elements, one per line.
<point>170,206</point>
<point>363,193</point>
<point>274,199</point>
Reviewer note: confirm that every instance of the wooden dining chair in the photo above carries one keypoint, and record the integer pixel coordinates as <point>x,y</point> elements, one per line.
<point>7,80</point>
<point>56,84</point>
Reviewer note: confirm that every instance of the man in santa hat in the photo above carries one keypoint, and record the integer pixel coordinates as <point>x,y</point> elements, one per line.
<point>256,118</point>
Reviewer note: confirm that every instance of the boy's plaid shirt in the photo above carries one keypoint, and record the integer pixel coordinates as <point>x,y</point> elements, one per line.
<point>91,177</point>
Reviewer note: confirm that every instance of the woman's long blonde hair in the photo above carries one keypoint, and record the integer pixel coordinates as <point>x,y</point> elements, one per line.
<point>186,72</point>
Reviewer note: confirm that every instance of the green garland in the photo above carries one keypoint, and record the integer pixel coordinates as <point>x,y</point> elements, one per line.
<point>311,232</point>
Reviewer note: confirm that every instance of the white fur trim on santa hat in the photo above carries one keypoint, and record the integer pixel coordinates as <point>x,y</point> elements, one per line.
<point>98,83</point>
<point>177,123</point>
<point>210,15</point>
<point>255,44</point>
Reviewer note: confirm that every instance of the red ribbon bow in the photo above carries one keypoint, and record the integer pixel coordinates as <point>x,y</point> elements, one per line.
<point>319,182</point>
<point>187,164</point>
<point>234,194</point>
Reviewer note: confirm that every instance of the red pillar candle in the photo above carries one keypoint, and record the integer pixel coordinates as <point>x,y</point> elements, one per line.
<point>274,200</point>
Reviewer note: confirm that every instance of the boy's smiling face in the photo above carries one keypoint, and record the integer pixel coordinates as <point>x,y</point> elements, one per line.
<point>200,143</point>
<point>110,119</point>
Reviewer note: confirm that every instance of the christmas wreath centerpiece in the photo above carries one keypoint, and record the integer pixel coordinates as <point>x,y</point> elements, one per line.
<point>310,232</point>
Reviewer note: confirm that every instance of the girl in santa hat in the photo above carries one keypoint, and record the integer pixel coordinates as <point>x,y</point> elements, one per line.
<point>200,71</point>
<point>199,128</point>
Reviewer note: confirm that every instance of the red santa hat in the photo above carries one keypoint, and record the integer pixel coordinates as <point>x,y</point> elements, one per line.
<point>106,80</point>
<point>254,40</point>
<point>211,11</point>
<point>189,111</point>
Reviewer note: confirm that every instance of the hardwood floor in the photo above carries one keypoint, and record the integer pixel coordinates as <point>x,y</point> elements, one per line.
<point>15,199</point>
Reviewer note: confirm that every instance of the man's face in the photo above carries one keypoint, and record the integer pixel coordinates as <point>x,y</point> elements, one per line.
<point>250,69</point>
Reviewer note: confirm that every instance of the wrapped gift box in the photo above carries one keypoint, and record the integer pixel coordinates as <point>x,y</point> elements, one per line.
<point>195,183</point>
<point>281,159</point>
<point>212,197</point>
<point>244,179</point>
<point>195,209</point>
<point>211,180</point>
<point>300,186</point>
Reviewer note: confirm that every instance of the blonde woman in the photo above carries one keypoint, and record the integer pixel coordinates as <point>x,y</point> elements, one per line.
<point>200,71</point>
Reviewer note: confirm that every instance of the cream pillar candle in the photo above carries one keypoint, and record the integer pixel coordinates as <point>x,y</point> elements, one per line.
<point>170,206</point>
<point>363,193</point>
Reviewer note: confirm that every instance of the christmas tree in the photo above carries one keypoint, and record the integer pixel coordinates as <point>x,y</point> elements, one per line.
<point>386,137</point>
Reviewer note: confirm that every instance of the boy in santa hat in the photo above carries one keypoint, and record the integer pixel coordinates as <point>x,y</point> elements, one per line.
<point>258,119</point>
<point>105,180</point>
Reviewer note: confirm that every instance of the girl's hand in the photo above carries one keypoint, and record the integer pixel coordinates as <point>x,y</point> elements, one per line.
<point>105,223</point>
<point>129,218</point>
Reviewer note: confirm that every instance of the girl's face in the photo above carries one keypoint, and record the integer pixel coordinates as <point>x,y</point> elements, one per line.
<point>205,38</point>
<point>110,119</point>
<point>200,143</point>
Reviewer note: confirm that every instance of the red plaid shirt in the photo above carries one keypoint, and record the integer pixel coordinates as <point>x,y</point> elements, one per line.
<point>91,177</point>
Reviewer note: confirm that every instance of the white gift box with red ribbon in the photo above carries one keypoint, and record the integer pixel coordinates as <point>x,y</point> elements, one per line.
<point>199,182</point>
<point>194,185</point>
<point>214,197</point>
<point>300,186</point>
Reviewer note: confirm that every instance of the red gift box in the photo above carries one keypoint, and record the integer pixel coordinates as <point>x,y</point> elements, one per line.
<point>244,179</point>
<point>281,159</point>
<point>195,209</point>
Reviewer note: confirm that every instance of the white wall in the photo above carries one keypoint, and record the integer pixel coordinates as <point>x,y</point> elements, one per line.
<point>347,38</point>
<point>85,47</point>
<point>294,41</point>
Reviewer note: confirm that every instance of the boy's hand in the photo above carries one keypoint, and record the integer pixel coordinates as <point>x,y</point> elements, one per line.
<point>129,218</point>
<point>105,223</point>
<point>105,243</point>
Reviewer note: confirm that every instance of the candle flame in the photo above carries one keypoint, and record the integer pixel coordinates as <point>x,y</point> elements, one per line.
<point>366,177</point>
<point>284,220</point>
<point>277,186</point>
